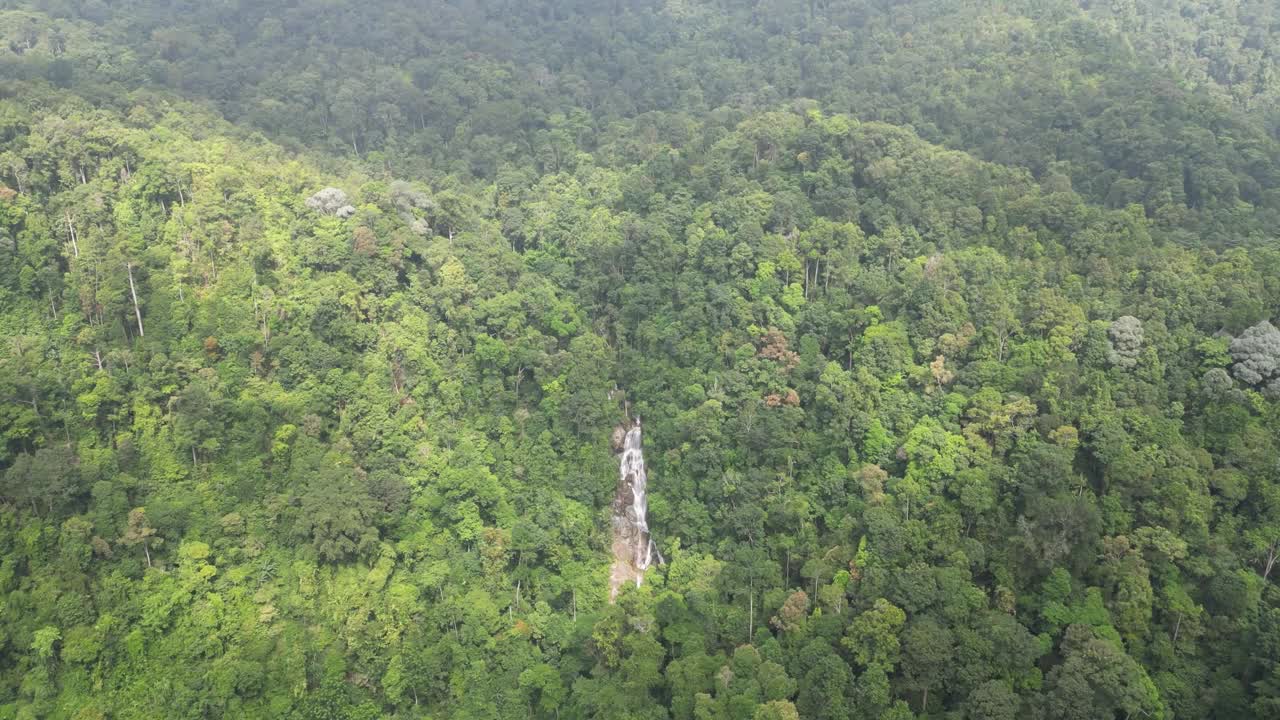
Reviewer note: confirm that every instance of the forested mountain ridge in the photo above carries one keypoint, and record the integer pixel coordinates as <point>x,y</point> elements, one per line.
<point>1170,107</point>
<point>322,432</point>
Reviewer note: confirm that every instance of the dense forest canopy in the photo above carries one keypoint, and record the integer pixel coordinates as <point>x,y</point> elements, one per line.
<point>950,322</point>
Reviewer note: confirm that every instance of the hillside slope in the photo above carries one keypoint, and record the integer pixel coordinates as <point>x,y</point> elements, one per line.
<point>925,432</point>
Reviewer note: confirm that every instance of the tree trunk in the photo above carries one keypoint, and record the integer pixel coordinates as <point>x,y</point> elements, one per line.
<point>146,551</point>
<point>71,231</point>
<point>133,291</point>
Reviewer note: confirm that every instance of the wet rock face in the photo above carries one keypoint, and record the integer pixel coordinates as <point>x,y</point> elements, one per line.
<point>633,548</point>
<point>623,501</point>
<point>619,438</point>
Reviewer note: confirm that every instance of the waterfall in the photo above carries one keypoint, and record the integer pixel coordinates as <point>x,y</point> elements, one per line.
<point>633,548</point>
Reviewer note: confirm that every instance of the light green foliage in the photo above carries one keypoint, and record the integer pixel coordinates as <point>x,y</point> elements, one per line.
<point>872,636</point>
<point>44,640</point>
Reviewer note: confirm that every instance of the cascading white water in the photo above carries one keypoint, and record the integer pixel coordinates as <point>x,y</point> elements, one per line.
<point>633,548</point>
